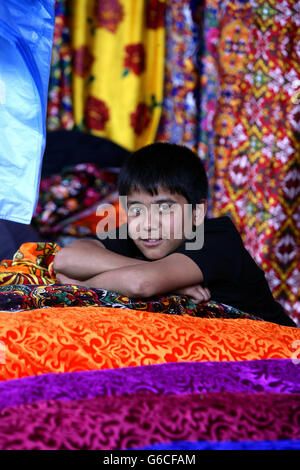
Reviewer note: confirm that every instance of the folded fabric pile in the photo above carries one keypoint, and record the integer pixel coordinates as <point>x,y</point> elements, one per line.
<point>84,368</point>
<point>110,378</point>
<point>72,195</point>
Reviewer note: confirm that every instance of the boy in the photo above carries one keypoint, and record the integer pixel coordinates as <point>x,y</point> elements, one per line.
<point>156,258</point>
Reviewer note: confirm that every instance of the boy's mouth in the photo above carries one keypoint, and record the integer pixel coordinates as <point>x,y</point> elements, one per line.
<point>151,242</point>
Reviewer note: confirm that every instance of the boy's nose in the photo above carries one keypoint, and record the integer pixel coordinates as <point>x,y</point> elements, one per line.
<point>151,220</point>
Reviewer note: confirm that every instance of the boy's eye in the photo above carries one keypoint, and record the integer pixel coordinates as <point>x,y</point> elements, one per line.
<point>164,207</point>
<point>135,210</point>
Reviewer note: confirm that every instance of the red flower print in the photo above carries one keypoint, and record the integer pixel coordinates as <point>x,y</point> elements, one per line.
<point>135,58</point>
<point>83,59</point>
<point>96,113</point>
<point>140,119</point>
<point>109,14</point>
<point>155,14</point>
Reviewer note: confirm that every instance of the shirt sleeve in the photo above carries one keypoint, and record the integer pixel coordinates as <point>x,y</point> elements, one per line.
<point>219,257</point>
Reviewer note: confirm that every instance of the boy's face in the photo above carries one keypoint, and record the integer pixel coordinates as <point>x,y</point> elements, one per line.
<point>158,224</point>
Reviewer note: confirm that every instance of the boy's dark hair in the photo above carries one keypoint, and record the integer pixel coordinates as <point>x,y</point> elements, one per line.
<point>161,164</point>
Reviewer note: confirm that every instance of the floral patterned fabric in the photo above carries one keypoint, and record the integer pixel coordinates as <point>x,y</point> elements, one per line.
<point>28,297</point>
<point>118,56</point>
<point>95,84</point>
<point>31,264</point>
<point>64,198</point>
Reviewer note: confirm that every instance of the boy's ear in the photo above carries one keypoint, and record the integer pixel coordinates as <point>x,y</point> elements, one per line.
<point>199,213</point>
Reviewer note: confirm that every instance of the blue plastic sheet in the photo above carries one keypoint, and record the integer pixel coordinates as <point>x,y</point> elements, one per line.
<point>26,38</point>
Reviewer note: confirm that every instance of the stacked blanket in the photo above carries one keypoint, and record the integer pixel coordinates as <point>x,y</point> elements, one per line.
<point>84,368</point>
<point>69,201</point>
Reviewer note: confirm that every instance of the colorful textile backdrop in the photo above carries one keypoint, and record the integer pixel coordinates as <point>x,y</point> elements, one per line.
<point>230,91</point>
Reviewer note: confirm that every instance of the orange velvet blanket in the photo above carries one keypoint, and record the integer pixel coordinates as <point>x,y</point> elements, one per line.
<point>87,338</point>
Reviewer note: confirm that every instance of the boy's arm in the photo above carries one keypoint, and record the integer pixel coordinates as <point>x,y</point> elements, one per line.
<point>84,259</point>
<point>148,279</point>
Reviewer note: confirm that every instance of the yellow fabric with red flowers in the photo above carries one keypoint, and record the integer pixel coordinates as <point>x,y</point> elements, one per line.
<point>118,68</point>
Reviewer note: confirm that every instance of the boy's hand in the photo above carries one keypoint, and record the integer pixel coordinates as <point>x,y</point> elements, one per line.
<point>197,293</point>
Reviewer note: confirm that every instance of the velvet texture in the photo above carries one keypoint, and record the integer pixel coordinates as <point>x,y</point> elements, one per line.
<point>118,378</point>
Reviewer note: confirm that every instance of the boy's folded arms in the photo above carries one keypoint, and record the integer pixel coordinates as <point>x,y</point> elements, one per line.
<point>175,273</point>
<point>84,259</point>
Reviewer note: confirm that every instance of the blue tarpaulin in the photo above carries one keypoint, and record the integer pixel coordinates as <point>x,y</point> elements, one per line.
<point>26,37</point>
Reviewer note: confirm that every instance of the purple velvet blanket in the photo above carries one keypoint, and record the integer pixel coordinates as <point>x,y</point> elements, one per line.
<point>236,403</point>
